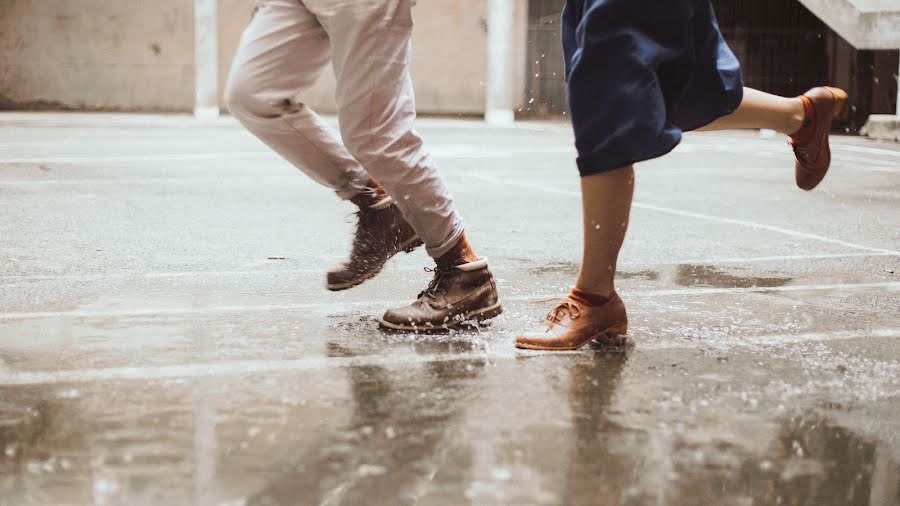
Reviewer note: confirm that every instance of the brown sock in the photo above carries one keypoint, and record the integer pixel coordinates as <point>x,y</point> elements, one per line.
<point>370,196</point>
<point>461,253</point>
<point>802,136</point>
<point>588,298</point>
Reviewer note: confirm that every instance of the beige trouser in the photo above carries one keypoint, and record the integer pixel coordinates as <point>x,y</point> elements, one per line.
<point>285,49</point>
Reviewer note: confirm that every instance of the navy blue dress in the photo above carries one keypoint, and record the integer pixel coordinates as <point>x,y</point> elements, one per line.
<point>641,72</point>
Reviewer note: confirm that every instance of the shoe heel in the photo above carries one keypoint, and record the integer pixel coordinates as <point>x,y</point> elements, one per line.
<point>617,331</point>
<point>841,97</point>
<point>614,336</point>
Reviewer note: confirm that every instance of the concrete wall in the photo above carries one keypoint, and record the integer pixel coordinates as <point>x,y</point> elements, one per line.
<point>867,24</point>
<point>133,55</point>
<point>97,54</point>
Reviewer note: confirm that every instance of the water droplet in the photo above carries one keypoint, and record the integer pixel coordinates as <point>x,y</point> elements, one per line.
<point>369,470</point>
<point>103,487</point>
<point>797,449</point>
<point>501,474</point>
<point>70,393</point>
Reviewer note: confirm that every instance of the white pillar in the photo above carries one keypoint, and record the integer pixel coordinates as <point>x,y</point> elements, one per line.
<point>498,82</point>
<point>206,59</point>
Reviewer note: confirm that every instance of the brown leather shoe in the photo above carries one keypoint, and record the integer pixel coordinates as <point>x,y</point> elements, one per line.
<point>810,145</point>
<point>456,296</point>
<point>381,233</point>
<point>571,325</point>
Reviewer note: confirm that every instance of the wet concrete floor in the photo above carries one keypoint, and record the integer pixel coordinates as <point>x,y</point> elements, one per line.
<point>151,352</point>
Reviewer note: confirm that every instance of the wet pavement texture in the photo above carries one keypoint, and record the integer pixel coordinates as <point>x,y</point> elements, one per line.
<point>151,352</point>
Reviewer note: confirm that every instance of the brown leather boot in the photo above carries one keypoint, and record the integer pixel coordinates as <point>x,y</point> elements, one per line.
<point>456,296</point>
<point>810,143</point>
<point>381,233</point>
<point>571,325</point>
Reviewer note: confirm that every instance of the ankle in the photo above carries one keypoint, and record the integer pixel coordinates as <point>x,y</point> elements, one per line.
<point>370,196</point>
<point>591,298</point>
<point>800,118</point>
<point>461,253</point>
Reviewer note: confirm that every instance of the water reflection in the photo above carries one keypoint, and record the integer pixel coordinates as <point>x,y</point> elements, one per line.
<point>412,434</point>
<point>813,461</point>
<point>395,442</point>
<point>598,474</point>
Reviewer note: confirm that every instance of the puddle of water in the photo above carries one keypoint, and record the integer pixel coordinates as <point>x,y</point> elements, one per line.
<point>552,429</point>
<point>572,268</point>
<point>812,462</point>
<point>709,276</point>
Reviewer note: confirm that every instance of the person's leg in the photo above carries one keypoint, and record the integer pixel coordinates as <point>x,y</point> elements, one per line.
<point>282,53</point>
<point>606,203</point>
<point>593,310</point>
<point>762,110</point>
<point>640,78</point>
<point>806,119</point>
<point>371,48</point>
<point>618,113</point>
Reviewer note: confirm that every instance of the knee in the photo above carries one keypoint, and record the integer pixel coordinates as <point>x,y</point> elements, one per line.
<point>241,97</point>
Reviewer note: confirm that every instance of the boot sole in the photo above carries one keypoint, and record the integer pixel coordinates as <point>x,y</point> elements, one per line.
<point>470,318</point>
<point>615,335</point>
<point>407,247</point>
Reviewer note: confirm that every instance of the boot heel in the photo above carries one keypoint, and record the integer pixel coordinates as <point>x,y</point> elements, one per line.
<point>840,97</point>
<point>617,331</point>
<point>614,336</point>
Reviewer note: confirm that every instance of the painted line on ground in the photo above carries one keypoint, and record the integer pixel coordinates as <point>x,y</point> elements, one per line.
<point>776,151</point>
<point>218,181</point>
<point>465,151</point>
<point>507,352</point>
<point>8,280</point>
<point>691,214</point>
<point>473,153</point>
<point>252,308</point>
<point>865,149</point>
<point>779,141</point>
<point>142,158</point>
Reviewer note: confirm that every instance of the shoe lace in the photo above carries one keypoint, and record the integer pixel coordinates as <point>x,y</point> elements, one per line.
<point>441,274</point>
<point>565,306</point>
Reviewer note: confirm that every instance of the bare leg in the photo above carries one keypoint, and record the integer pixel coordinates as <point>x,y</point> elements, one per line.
<point>593,310</point>
<point>606,201</point>
<point>762,110</point>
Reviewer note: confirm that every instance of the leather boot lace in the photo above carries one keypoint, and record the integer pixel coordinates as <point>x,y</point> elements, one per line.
<point>565,307</point>
<point>441,275</point>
